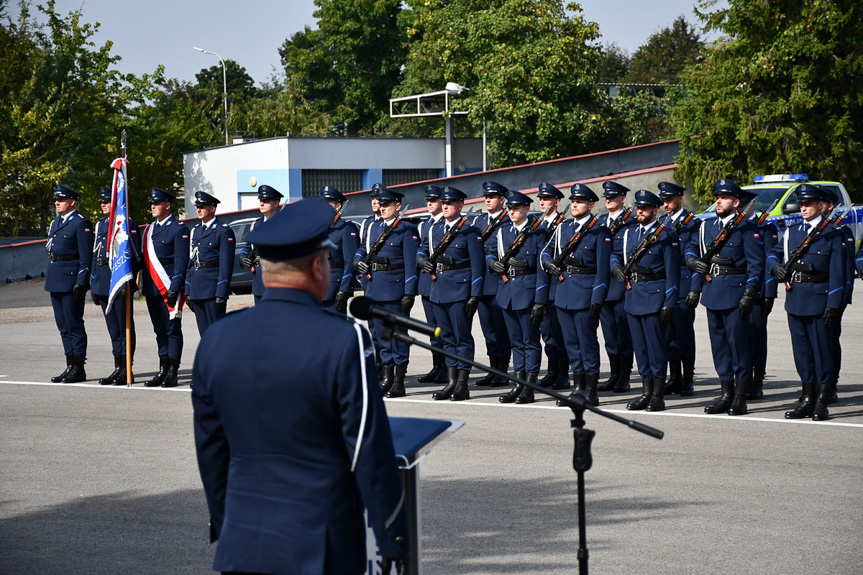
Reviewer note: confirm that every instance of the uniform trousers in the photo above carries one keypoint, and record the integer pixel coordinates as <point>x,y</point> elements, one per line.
<point>428,310</point>
<point>69,317</point>
<point>455,331</point>
<point>169,332</point>
<point>579,336</point>
<point>836,349</point>
<point>524,338</point>
<point>810,343</point>
<point>392,350</point>
<point>206,313</point>
<point>648,343</point>
<point>729,341</point>
<point>615,331</point>
<point>680,334</point>
<point>493,326</point>
<point>115,320</point>
<point>551,332</point>
<point>758,339</point>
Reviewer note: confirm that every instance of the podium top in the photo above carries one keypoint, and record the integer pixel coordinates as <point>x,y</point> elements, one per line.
<point>414,437</point>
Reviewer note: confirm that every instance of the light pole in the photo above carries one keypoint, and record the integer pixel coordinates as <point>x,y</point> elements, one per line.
<point>224,85</point>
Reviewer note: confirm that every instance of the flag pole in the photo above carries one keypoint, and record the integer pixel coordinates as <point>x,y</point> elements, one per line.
<point>128,298</point>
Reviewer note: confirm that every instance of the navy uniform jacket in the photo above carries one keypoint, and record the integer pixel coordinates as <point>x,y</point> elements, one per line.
<point>491,282</point>
<point>859,262</point>
<point>400,253</point>
<point>286,466</point>
<point>551,229</point>
<point>520,292</point>
<point>579,290</point>
<point>465,252</point>
<point>662,257</point>
<point>423,230</point>
<point>743,250</point>
<point>171,244</point>
<point>100,268</point>
<point>824,256</point>
<point>345,235</point>
<point>770,237</point>
<point>257,277</point>
<point>848,236</point>
<point>684,234</point>
<point>616,290</point>
<point>214,243</point>
<point>72,241</point>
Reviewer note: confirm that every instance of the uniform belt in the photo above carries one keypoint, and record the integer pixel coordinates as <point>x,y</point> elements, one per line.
<point>718,270</point>
<point>386,267</point>
<point>101,261</point>
<point>513,271</point>
<point>212,264</point>
<point>579,270</point>
<point>448,267</point>
<point>803,277</point>
<point>164,261</point>
<point>646,277</point>
<point>61,257</point>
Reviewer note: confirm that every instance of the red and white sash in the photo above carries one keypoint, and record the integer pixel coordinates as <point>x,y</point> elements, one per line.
<point>159,275</point>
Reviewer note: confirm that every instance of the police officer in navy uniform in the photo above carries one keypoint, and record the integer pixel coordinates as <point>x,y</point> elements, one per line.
<point>490,315</point>
<point>456,287</point>
<point>344,235</point>
<point>211,263</point>
<point>728,286</point>
<point>651,295</point>
<point>269,198</point>
<point>680,331</point>
<point>524,294</point>
<point>438,373</point>
<point>615,326</point>
<point>67,279</point>
<point>391,280</point>
<point>581,291</point>
<point>100,288</point>
<point>165,246</point>
<point>558,363</point>
<point>291,500</point>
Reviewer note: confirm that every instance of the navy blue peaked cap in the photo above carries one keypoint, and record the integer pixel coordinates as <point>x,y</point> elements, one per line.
<point>331,193</point>
<point>647,199</point>
<point>812,192</point>
<point>386,195</point>
<point>160,195</point>
<point>105,195</point>
<point>266,192</point>
<point>64,192</point>
<point>547,190</point>
<point>490,188</point>
<point>726,186</point>
<point>669,190</point>
<point>205,199</point>
<point>581,191</point>
<point>613,189</point>
<point>432,192</point>
<point>452,194</point>
<point>516,198</point>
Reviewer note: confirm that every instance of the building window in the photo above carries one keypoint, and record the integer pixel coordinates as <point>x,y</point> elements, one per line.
<point>396,177</point>
<point>343,180</point>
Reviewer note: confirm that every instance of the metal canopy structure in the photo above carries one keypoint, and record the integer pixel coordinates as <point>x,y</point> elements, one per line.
<point>424,105</point>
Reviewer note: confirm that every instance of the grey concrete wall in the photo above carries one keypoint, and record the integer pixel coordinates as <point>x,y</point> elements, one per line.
<point>23,261</point>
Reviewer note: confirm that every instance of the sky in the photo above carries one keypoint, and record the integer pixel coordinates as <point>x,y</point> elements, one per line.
<point>152,32</point>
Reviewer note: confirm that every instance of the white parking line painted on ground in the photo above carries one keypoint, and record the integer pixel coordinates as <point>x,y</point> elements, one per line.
<point>138,386</point>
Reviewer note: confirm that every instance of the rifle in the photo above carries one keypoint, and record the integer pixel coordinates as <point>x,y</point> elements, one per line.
<point>639,251</point>
<point>492,223</point>
<point>553,225</point>
<point>444,244</point>
<point>379,243</point>
<point>684,220</point>
<point>766,212</point>
<point>519,241</point>
<point>803,247</point>
<point>572,244</point>
<point>722,237</point>
<point>620,220</point>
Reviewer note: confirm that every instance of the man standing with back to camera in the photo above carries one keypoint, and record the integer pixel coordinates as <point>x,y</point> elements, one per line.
<point>288,467</point>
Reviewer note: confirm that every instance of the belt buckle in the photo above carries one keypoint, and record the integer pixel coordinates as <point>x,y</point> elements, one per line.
<point>439,268</point>
<point>715,270</point>
<point>635,277</point>
<point>511,271</point>
<point>797,276</point>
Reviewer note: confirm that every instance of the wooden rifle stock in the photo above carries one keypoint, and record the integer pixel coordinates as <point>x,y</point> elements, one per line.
<point>572,244</point>
<point>444,244</point>
<point>519,241</point>
<point>639,251</point>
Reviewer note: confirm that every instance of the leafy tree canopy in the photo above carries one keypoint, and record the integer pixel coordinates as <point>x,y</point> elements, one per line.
<point>665,55</point>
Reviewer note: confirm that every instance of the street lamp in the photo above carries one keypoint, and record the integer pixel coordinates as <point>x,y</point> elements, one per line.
<point>224,85</point>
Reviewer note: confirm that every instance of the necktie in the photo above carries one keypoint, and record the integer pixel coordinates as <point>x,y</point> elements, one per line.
<point>446,229</point>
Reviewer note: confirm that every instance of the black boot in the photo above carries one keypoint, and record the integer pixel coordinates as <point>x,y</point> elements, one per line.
<point>657,400</point>
<point>686,388</point>
<point>446,392</point>
<point>59,378</point>
<point>563,373</point>
<point>819,412</point>
<point>552,374</point>
<point>398,387</point>
<point>805,405</point>
<point>437,367</point>
<point>388,379</point>
<point>461,392</point>
<point>624,372</point>
<point>573,380</point>
<point>494,362</point>
<point>674,385</point>
<point>725,400</point>
<point>121,377</point>
<point>119,363</point>
<point>502,365</point>
<point>756,388</point>
<point>515,391</point>
<point>591,380</point>
<point>833,396</point>
<point>612,380</point>
<point>76,373</point>
<point>646,395</point>
<point>738,406</point>
<point>164,361</point>
<point>526,395</point>
<point>171,375</point>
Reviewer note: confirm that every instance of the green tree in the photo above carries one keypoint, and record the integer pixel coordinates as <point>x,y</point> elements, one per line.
<point>665,54</point>
<point>613,64</point>
<point>530,68</point>
<point>781,91</point>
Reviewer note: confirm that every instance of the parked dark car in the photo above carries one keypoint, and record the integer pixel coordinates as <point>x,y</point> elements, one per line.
<point>241,280</point>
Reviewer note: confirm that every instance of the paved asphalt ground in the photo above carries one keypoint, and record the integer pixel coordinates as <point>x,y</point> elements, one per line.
<point>102,480</point>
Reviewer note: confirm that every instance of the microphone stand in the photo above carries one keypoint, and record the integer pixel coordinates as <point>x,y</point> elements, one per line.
<point>581,457</point>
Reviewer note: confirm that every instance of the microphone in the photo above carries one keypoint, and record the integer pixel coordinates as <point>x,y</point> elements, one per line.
<point>363,307</point>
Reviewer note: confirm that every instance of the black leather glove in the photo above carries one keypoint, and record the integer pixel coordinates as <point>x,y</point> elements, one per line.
<point>692,299</point>
<point>536,314</point>
<point>618,274</point>
<point>94,298</point>
<point>399,562</point>
<point>665,315</point>
<point>407,304</point>
<point>470,307</point>
<point>595,310</point>
<point>221,305</point>
<point>697,265</point>
<point>342,298</point>
<point>246,262</point>
<point>552,269</point>
<point>171,296</point>
<point>425,265</point>
<point>780,272</point>
<point>191,307</point>
<point>831,316</point>
<point>496,267</point>
<point>767,306</point>
<point>80,292</point>
<point>746,303</point>
<point>361,267</point>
